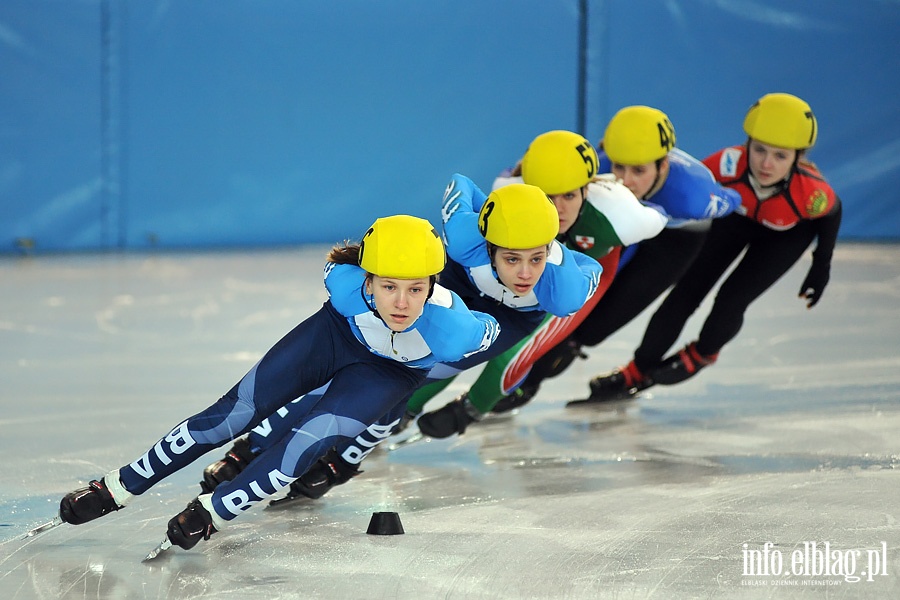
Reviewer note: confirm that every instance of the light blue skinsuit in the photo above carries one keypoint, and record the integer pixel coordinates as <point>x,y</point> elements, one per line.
<point>370,367</point>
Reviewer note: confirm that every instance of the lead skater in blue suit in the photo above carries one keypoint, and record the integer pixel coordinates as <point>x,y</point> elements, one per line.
<point>385,324</point>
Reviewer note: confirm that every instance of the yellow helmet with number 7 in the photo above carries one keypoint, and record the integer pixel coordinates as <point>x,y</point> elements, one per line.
<point>402,246</point>
<point>518,216</point>
<point>638,135</point>
<point>782,120</point>
<point>559,162</point>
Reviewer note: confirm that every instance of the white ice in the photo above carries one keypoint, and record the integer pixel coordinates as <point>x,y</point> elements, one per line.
<point>792,437</point>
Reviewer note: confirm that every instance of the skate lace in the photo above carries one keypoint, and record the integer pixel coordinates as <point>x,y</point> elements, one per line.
<point>693,360</point>
<point>632,376</point>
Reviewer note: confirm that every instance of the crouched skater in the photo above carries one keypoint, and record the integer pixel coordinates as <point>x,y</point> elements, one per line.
<point>385,324</point>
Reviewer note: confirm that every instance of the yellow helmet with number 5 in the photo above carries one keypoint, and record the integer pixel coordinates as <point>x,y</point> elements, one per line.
<point>637,135</point>
<point>782,120</point>
<point>518,216</point>
<point>402,246</point>
<point>559,162</point>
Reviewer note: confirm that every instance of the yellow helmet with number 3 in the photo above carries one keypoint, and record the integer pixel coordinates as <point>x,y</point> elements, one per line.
<point>518,216</point>
<point>559,162</point>
<point>782,120</point>
<point>402,246</point>
<point>637,135</point>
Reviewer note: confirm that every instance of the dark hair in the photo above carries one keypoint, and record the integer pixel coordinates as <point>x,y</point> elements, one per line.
<point>344,254</point>
<point>803,159</point>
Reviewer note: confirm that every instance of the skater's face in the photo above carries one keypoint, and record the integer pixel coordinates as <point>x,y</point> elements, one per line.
<point>640,179</point>
<point>519,270</point>
<point>770,164</point>
<point>399,301</point>
<point>568,206</point>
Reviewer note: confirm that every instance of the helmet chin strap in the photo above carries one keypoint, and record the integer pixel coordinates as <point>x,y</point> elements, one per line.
<point>365,297</point>
<point>657,181</point>
<point>563,237</point>
<point>492,251</point>
<point>583,192</point>
<point>778,185</point>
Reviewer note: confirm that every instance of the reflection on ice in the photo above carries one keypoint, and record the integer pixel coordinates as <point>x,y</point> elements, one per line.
<point>790,437</point>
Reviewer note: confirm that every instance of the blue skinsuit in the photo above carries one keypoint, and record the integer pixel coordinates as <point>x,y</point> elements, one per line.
<point>690,196</point>
<point>370,368</point>
<point>569,279</point>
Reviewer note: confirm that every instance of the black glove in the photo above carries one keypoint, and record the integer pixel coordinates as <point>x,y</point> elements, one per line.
<point>819,272</point>
<point>815,282</point>
<point>445,421</point>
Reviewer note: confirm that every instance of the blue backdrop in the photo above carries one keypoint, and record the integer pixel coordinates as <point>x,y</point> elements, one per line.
<point>230,123</point>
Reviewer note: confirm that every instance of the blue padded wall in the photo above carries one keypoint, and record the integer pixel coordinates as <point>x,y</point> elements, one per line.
<point>705,62</point>
<point>235,123</point>
<point>50,143</point>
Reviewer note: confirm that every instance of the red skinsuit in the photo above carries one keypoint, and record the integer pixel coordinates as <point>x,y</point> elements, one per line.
<point>807,197</point>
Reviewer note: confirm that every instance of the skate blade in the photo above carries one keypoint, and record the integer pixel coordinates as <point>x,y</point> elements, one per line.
<point>160,548</point>
<point>56,522</point>
<point>606,399</point>
<point>287,500</point>
<point>414,438</point>
<point>500,417</point>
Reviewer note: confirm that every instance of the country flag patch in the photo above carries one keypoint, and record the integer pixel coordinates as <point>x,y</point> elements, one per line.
<point>817,203</point>
<point>585,242</point>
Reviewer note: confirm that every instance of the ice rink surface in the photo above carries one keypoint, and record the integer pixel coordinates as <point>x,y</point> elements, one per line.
<point>781,458</point>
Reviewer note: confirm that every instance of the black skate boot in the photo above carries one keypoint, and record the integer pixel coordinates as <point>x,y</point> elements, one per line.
<point>324,474</point>
<point>92,502</point>
<point>520,397</point>
<point>451,418</point>
<point>235,461</point>
<point>620,384</point>
<point>682,365</point>
<point>191,525</point>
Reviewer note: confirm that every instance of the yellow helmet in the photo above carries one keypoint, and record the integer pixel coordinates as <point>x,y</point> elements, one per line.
<point>518,216</point>
<point>402,246</point>
<point>559,162</point>
<point>782,120</point>
<point>637,135</point>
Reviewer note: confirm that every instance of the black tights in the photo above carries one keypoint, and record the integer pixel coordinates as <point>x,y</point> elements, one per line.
<point>769,255</point>
<point>656,265</point>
